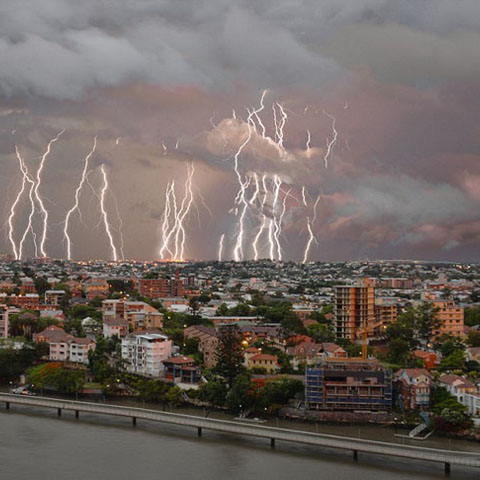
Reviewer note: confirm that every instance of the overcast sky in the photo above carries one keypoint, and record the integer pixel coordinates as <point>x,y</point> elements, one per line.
<point>171,81</point>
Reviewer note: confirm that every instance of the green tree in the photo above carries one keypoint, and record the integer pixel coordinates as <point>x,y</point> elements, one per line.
<point>229,353</point>
<point>320,332</point>
<point>174,396</point>
<point>278,392</point>
<point>473,338</point>
<point>427,321</point>
<point>455,361</point>
<point>204,298</point>
<point>214,392</point>
<point>23,324</point>
<point>194,308</point>
<point>239,397</point>
<point>222,310</point>
<point>399,352</point>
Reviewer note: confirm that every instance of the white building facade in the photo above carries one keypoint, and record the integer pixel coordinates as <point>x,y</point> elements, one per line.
<point>145,352</point>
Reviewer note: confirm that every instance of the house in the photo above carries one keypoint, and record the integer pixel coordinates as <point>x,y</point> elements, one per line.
<point>413,388</point>
<point>145,352</point>
<point>265,361</point>
<point>473,354</point>
<point>457,386</point>
<point>310,353</point>
<point>96,288</point>
<point>430,359</point>
<point>115,327</point>
<point>181,370</point>
<point>249,353</point>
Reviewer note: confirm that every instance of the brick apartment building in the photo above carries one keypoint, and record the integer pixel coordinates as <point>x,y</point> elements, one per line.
<point>161,287</point>
<point>354,310</point>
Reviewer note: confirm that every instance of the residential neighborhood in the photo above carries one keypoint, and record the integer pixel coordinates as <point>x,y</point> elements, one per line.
<point>367,341</point>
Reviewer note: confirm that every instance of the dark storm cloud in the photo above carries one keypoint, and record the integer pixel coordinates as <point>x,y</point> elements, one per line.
<point>403,177</point>
<point>60,49</point>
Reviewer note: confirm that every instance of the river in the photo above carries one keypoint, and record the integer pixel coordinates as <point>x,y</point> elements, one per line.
<point>35,444</point>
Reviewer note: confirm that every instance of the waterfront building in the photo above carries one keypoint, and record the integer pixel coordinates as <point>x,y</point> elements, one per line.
<point>413,388</point>
<point>348,384</point>
<point>181,370</point>
<point>457,386</point>
<point>146,351</point>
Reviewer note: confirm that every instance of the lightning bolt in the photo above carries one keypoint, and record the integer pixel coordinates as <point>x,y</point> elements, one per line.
<point>257,237</point>
<point>77,200</point>
<point>311,236</point>
<point>166,231</point>
<point>32,208</point>
<point>44,211</point>
<point>220,247</point>
<point>304,199</point>
<point>184,210</point>
<point>330,141</point>
<point>14,205</point>
<point>105,215</point>
<point>174,219</point>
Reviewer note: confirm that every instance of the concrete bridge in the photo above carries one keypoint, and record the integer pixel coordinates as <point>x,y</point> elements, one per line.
<point>355,445</point>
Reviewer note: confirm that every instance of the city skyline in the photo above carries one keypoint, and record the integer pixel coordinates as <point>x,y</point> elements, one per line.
<point>361,119</point>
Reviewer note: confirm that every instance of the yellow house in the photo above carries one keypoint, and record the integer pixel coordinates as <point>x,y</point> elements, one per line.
<point>265,361</point>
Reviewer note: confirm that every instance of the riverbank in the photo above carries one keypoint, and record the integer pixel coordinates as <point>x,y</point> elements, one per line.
<point>295,420</point>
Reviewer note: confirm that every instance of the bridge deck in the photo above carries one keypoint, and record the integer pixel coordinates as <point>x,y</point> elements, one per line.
<point>324,440</point>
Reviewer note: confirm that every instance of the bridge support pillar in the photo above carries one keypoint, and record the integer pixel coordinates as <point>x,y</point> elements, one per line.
<point>7,405</point>
<point>272,442</point>
<point>134,421</point>
<point>355,454</point>
<point>59,412</point>
<point>447,468</point>
<point>199,430</point>
<point>77,413</point>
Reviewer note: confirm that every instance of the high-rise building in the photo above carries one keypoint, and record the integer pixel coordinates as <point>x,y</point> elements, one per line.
<point>355,310</point>
<point>3,321</point>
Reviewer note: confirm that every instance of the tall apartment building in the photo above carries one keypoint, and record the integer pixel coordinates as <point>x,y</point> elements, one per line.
<point>3,321</point>
<point>161,287</point>
<point>451,317</point>
<point>348,384</point>
<point>354,310</point>
<point>146,352</point>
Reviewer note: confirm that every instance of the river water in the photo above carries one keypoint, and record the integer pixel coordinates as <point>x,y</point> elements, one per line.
<point>35,444</point>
